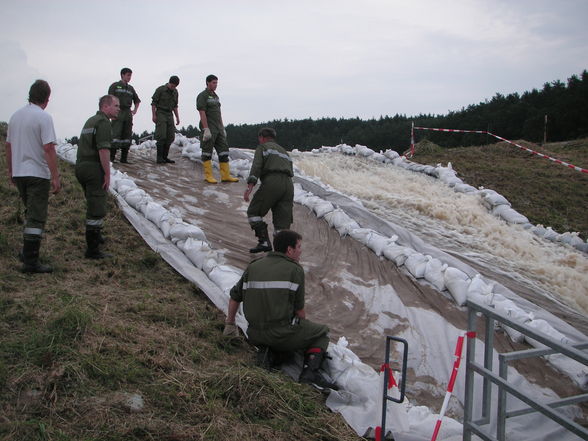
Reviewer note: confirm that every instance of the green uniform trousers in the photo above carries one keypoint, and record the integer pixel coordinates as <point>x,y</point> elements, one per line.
<point>218,141</point>
<point>122,130</point>
<point>91,176</point>
<point>165,130</point>
<point>275,193</point>
<point>34,193</point>
<point>288,338</point>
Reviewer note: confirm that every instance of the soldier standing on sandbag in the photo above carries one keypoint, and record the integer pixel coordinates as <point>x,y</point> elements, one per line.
<point>273,166</point>
<point>93,170</point>
<point>214,135</point>
<point>272,292</point>
<point>163,103</point>
<point>32,167</point>
<point>122,126</point>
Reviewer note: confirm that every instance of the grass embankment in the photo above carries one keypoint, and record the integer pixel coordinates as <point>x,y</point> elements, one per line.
<point>546,192</point>
<point>76,344</point>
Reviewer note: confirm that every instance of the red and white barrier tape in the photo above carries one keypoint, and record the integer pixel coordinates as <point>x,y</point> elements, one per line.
<point>541,155</point>
<point>456,363</point>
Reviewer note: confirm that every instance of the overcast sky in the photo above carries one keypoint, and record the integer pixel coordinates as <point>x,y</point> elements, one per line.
<point>294,59</point>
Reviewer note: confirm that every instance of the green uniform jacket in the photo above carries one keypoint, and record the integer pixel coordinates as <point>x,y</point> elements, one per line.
<point>269,158</point>
<point>209,102</point>
<point>165,99</point>
<point>96,135</point>
<point>125,93</point>
<point>271,289</point>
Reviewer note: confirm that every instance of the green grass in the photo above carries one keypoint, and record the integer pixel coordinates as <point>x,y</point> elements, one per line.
<point>73,343</point>
<point>545,192</point>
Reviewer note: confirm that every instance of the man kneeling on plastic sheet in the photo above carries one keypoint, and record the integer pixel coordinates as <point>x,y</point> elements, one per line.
<point>272,292</point>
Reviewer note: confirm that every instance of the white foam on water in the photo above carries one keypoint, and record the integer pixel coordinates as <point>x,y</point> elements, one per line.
<point>455,222</point>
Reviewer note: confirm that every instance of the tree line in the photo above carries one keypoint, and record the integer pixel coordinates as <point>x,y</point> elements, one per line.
<point>511,116</point>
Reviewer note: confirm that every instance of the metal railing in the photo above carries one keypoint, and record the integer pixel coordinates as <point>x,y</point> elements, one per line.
<point>389,379</point>
<point>476,426</point>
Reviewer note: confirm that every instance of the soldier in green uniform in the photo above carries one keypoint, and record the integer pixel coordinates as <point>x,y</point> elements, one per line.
<point>163,103</point>
<point>213,133</point>
<point>93,170</point>
<point>272,292</point>
<point>122,126</point>
<point>273,166</point>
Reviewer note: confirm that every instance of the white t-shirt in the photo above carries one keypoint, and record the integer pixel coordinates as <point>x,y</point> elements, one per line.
<point>29,129</point>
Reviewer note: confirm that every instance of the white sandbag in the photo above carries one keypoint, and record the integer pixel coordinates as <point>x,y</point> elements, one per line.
<point>123,190</point>
<point>416,264</point>
<point>154,212</point>
<point>199,253</point>
<point>509,309</point>
<point>225,276</point>
<point>480,289</point>
<point>508,214</point>
<point>570,238</point>
<point>550,234</point>
<point>377,242</point>
<point>391,154</point>
<point>457,283</point>
<point>371,239</point>
<point>183,231</point>
<point>125,182</point>
<point>513,334</point>
<point>137,198</point>
<point>464,188</point>
<point>323,207</point>
<point>166,221</point>
<point>452,182</point>
<point>434,270</point>
<point>378,157</point>
<point>347,150</point>
<point>491,199</point>
<point>397,253</point>
<point>339,220</point>
<point>362,150</point>
<point>539,230</point>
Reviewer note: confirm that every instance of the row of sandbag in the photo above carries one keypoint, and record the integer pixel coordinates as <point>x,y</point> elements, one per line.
<point>497,204</point>
<point>187,237</point>
<point>456,282</point>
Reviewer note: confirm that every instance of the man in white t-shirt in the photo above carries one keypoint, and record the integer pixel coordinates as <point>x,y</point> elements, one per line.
<point>32,167</point>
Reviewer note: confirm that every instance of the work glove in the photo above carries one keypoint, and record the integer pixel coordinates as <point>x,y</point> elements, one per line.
<point>207,135</point>
<point>231,330</point>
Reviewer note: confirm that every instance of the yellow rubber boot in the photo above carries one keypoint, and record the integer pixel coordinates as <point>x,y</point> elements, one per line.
<point>207,165</point>
<point>225,173</point>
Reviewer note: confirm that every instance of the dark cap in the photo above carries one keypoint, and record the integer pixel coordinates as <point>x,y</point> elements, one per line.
<point>174,80</point>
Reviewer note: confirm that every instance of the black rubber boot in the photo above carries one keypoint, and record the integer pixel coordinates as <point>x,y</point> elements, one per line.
<point>112,155</point>
<point>124,153</point>
<point>311,370</point>
<point>30,257</point>
<point>263,243</point>
<point>271,360</point>
<point>160,159</point>
<point>93,243</point>
<point>165,156</point>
